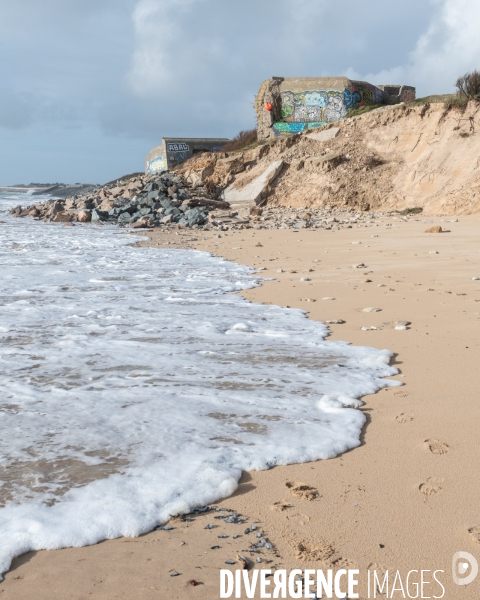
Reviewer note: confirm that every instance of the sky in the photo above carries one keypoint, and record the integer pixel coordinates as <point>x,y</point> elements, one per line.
<point>88,87</point>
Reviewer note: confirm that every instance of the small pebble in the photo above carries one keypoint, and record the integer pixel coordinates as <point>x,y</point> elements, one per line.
<point>268,546</point>
<point>259,560</point>
<point>475,278</point>
<point>209,526</point>
<point>259,535</point>
<point>236,536</point>
<point>328,298</point>
<point>335,322</point>
<point>230,562</point>
<point>174,574</point>
<point>400,323</point>
<point>222,537</point>
<point>253,527</point>
<point>214,547</point>
<point>370,309</point>
<point>401,327</point>
<point>305,279</point>
<point>247,531</point>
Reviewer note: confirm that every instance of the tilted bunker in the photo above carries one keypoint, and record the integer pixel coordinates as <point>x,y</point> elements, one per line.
<point>291,105</point>
<point>173,151</point>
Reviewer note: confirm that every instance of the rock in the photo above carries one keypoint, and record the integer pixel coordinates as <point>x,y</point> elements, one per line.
<point>324,135</point>
<point>98,215</point>
<point>166,220</point>
<point>370,309</point>
<point>305,279</point>
<point>195,216</point>
<point>360,266</point>
<point>435,229</point>
<point>475,278</point>
<point>62,217</point>
<point>328,298</point>
<point>84,216</point>
<point>401,327</point>
<point>256,211</point>
<point>143,222</point>
<point>335,322</point>
<point>402,323</point>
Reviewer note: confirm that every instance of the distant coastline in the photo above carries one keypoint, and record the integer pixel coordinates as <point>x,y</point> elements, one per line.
<point>57,190</point>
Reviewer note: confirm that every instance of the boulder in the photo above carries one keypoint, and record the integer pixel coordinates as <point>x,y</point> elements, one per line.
<point>84,216</point>
<point>62,217</point>
<point>143,222</point>
<point>99,215</point>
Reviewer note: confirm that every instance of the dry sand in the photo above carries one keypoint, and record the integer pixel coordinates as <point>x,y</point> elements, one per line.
<point>405,499</point>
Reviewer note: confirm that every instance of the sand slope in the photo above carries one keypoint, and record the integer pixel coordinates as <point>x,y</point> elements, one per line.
<point>391,158</point>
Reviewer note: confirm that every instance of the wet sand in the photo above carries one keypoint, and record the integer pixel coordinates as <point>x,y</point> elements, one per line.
<point>405,499</point>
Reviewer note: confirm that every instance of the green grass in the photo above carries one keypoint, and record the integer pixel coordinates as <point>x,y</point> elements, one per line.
<point>416,210</point>
<point>439,98</point>
<point>355,112</point>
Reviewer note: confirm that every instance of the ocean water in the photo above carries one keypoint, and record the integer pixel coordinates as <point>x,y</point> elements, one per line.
<point>135,384</point>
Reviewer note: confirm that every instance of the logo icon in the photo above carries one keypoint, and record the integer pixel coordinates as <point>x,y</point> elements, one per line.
<point>463,563</point>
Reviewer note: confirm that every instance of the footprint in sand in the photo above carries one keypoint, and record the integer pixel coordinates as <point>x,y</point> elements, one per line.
<point>281,506</point>
<point>436,447</point>
<point>298,520</point>
<point>321,551</point>
<point>404,418</point>
<point>432,486</point>
<point>302,490</point>
<point>344,563</point>
<point>475,533</point>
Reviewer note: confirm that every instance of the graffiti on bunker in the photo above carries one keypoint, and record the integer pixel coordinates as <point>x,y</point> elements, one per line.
<point>316,108</point>
<point>156,165</point>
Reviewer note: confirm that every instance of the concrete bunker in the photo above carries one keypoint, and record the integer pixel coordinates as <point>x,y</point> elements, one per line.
<point>173,151</point>
<point>291,105</point>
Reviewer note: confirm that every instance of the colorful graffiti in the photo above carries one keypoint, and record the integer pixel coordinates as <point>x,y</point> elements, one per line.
<point>315,108</point>
<point>156,165</point>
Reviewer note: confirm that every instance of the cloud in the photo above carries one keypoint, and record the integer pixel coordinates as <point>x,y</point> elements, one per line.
<point>448,48</point>
<point>135,70</point>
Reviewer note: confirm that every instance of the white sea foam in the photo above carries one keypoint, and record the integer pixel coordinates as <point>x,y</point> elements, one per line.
<point>135,385</point>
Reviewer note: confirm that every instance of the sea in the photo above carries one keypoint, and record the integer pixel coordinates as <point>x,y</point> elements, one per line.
<point>137,384</point>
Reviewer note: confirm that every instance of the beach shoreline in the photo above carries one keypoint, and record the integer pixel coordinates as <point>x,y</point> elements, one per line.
<point>406,497</point>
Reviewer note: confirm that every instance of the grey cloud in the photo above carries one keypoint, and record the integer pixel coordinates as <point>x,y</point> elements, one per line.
<point>134,70</point>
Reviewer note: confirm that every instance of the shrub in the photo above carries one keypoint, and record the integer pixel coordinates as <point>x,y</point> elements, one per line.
<point>468,86</point>
<point>241,141</point>
<point>416,210</point>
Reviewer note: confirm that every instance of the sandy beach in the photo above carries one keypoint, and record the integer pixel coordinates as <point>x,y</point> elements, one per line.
<point>406,499</point>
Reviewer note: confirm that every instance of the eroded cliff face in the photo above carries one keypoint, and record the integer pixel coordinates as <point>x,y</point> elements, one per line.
<point>391,158</point>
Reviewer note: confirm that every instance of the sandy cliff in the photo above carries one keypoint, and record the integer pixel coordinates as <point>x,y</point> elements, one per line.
<point>390,158</point>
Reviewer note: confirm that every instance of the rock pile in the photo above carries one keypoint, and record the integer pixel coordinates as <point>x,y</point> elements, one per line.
<point>141,201</point>
<point>170,200</point>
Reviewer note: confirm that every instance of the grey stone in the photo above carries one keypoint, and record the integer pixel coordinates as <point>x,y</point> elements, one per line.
<point>99,215</point>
